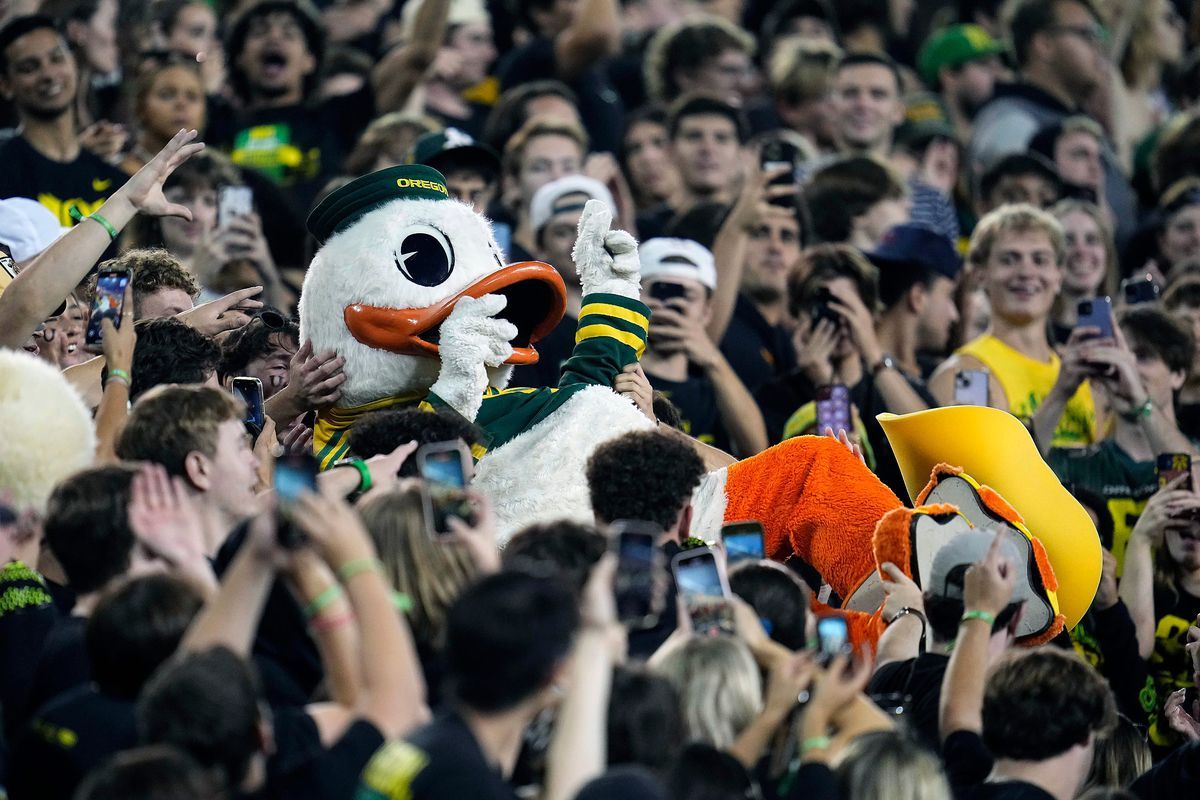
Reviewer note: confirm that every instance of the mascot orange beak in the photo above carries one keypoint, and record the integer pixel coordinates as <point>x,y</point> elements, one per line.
<point>537,300</point>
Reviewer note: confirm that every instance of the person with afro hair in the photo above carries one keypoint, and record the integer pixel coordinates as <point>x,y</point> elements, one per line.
<point>645,476</point>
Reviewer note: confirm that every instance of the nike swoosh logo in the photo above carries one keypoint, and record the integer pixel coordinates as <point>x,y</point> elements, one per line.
<point>100,184</point>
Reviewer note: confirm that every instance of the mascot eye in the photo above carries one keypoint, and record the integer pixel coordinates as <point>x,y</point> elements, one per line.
<point>426,256</point>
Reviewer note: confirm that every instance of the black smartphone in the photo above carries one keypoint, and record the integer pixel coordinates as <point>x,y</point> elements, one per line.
<point>109,302</point>
<point>700,578</point>
<point>446,468</point>
<point>971,387</point>
<point>821,308</point>
<point>776,154</point>
<point>1139,290</point>
<point>661,290</point>
<point>1096,313</point>
<point>743,541</point>
<point>251,392</point>
<point>1169,466</point>
<point>295,474</point>
<point>833,638</point>
<point>833,409</point>
<point>639,586</point>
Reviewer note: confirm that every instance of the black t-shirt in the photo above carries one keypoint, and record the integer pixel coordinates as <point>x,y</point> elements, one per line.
<point>440,760</point>
<point>757,350</point>
<point>553,352</point>
<point>84,183</point>
<point>27,614</point>
<point>921,679</point>
<point>318,773</point>
<point>696,398</point>
<point>600,106</point>
<point>63,664</point>
<point>299,147</point>
<point>66,739</point>
<point>968,764</point>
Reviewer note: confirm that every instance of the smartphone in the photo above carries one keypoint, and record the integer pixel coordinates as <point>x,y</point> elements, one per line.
<point>833,638</point>
<point>503,235</point>
<point>639,586</point>
<point>446,468</point>
<point>663,291</point>
<point>1139,290</point>
<point>833,409</point>
<point>971,387</point>
<point>109,302</point>
<point>775,154</point>
<point>1096,313</point>
<point>743,541</point>
<point>1169,466</point>
<point>233,201</point>
<point>821,309</point>
<point>251,392</point>
<point>295,474</point>
<point>704,589</point>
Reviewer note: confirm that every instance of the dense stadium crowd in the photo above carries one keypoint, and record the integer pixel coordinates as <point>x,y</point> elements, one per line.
<point>891,205</point>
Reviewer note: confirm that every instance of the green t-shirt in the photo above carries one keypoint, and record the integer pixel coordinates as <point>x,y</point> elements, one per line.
<point>1107,470</point>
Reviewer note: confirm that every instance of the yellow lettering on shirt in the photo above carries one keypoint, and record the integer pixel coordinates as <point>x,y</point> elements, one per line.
<point>62,208</point>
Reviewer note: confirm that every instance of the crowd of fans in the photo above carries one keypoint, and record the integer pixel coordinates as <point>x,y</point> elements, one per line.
<point>922,201</point>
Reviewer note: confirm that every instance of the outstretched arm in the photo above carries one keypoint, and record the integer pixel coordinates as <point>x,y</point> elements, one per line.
<point>54,274</point>
<point>400,72</point>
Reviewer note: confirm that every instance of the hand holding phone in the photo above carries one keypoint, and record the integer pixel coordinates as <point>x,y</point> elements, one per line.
<point>971,387</point>
<point>251,393</point>
<point>1096,313</point>
<point>777,154</point>
<point>109,302</point>
<point>1139,290</point>
<point>704,591</point>
<point>664,291</point>
<point>833,638</point>
<point>233,201</point>
<point>833,409</point>
<point>446,468</point>
<point>1169,466</point>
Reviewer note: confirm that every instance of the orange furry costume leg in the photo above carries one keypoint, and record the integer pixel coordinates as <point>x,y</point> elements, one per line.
<point>817,501</point>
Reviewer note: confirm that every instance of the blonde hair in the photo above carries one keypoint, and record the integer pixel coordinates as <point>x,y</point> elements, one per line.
<point>801,69</point>
<point>687,45</point>
<point>1111,268</point>
<point>1140,54</point>
<point>431,573</point>
<point>888,765</point>
<point>1014,218</point>
<point>720,689</point>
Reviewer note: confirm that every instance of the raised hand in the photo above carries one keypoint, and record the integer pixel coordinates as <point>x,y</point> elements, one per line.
<point>607,260</point>
<point>144,191</point>
<point>472,338</point>
<point>227,313</point>
<point>988,585</point>
<point>633,384</point>
<point>167,524</point>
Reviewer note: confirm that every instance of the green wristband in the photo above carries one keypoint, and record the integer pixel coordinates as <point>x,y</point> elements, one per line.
<point>78,216</point>
<point>364,474</point>
<point>357,567</point>
<point>322,601</point>
<point>983,615</point>
<point>120,373</point>
<point>402,602</point>
<point>815,743</point>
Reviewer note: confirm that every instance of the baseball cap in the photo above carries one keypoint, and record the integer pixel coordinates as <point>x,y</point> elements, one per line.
<point>913,244</point>
<point>952,46</point>
<point>925,118</point>
<point>948,574</point>
<point>27,227</point>
<point>451,149</point>
<point>665,257</point>
<point>556,197</point>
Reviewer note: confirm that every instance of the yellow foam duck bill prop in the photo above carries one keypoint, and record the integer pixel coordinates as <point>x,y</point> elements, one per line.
<point>410,288</point>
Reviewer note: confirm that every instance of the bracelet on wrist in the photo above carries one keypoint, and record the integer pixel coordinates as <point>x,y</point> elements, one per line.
<point>322,601</point>
<point>78,216</point>
<point>327,623</point>
<point>910,611</point>
<point>1144,411</point>
<point>990,619</point>
<point>117,379</point>
<point>357,567</point>
<point>815,743</point>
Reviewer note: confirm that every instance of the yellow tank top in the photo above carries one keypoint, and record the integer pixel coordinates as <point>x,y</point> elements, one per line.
<point>1026,382</point>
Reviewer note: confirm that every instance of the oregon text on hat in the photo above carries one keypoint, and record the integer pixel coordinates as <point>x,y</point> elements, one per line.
<point>345,206</point>
<point>417,183</point>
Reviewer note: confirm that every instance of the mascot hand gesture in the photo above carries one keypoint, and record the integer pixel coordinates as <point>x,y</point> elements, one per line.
<point>473,338</point>
<point>607,261</point>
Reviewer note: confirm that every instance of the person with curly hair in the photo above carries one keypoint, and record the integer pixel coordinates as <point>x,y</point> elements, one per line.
<point>645,476</point>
